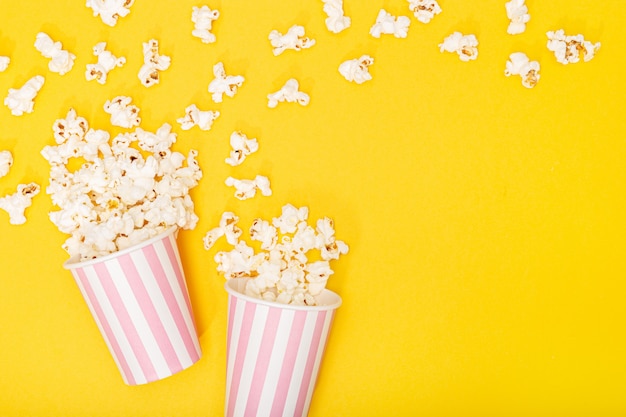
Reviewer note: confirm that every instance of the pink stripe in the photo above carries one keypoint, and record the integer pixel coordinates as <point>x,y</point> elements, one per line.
<point>80,274</point>
<point>232,301</point>
<point>240,356</point>
<point>263,361</point>
<point>149,311</point>
<point>126,322</point>
<point>171,253</point>
<point>308,370</point>
<point>170,299</point>
<point>286,373</point>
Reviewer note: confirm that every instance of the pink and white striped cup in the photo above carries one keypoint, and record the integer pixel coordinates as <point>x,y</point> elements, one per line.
<point>274,352</point>
<point>139,300</point>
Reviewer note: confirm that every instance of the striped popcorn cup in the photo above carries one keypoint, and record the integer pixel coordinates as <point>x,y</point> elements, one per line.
<point>274,352</point>
<point>139,300</point>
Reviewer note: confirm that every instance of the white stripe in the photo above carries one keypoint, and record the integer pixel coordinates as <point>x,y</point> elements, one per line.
<point>115,325</point>
<point>252,352</point>
<point>301,358</point>
<point>275,362</point>
<point>237,321</point>
<point>318,360</point>
<point>138,319</point>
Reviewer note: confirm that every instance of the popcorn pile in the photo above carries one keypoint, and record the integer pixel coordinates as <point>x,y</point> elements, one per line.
<point>567,49</point>
<point>281,271</point>
<point>117,198</point>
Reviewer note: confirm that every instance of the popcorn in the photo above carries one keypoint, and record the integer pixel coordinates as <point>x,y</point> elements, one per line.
<point>281,271</point>
<point>242,147</point>
<point>6,160</point>
<point>4,63</point>
<point>196,117</point>
<point>21,101</point>
<point>246,189</point>
<point>336,21</point>
<point>519,64</point>
<point>293,39</point>
<point>110,10</point>
<point>517,12</point>
<point>466,46</point>
<point>567,49</point>
<point>223,84</point>
<point>357,69</point>
<point>61,61</point>
<point>289,93</point>
<point>203,19</point>
<point>15,204</point>
<point>123,114</point>
<point>152,63</point>
<point>106,62</point>
<point>387,24</point>
<point>424,10</point>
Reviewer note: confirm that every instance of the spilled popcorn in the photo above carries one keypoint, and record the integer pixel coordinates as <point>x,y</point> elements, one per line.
<point>465,46</point>
<point>517,12</point>
<point>390,25</point>
<point>196,117</point>
<point>6,160</point>
<point>61,61</point>
<point>519,64</point>
<point>106,62</point>
<point>153,63</point>
<point>123,114</point>
<point>223,84</point>
<point>567,49</point>
<point>15,204</point>
<point>293,39</point>
<point>336,21</point>
<point>245,189</point>
<point>110,10</point>
<point>241,148</point>
<point>4,63</point>
<point>22,100</point>
<point>289,93</point>
<point>424,10</point>
<point>357,70</point>
<point>281,271</point>
<point>203,18</point>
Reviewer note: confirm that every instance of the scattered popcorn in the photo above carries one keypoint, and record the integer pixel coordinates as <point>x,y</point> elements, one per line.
<point>424,10</point>
<point>196,117</point>
<point>246,189</point>
<point>16,204</point>
<point>336,21</point>
<point>517,12</point>
<point>357,69</point>
<point>223,84</point>
<point>122,194</point>
<point>4,63</point>
<point>293,39</point>
<point>466,46</point>
<point>6,160</point>
<point>242,147</point>
<point>387,24</point>
<point>203,19</point>
<point>152,63</point>
<point>106,62</point>
<point>281,271</point>
<point>61,61</point>
<point>123,114</point>
<point>519,64</point>
<point>567,49</point>
<point>289,93</point>
<point>110,10</point>
<point>21,100</point>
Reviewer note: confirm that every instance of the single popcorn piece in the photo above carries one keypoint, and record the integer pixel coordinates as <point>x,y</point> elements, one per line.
<point>223,84</point>
<point>153,63</point>
<point>517,12</point>
<point>567,49</point>
<point>357,70</point>
<point>123,114</point>
<point>293,39</point>
<point>203,19</point>
<point>424,10</point>
<point>336,21</point>
<point>289,93</point>
<point>246,189</point>
<point>106,62</point>
<point>22,100</point>
<point>228,227</point>
<point>388,24</point>
<point>519,64</point>
<point>4,63</point>
<point>110,10</point>
<point>466,46</point>
<point>242,147</point>
<point>61,61</point>
<point>196,117</point>
<point>15,204</point>
<point>6,160</point>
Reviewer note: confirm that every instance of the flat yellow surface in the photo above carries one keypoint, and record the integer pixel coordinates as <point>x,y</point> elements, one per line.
<point>486,221</point>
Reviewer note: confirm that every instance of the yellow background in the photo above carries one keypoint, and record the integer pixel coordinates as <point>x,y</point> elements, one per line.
<point>486,221</point>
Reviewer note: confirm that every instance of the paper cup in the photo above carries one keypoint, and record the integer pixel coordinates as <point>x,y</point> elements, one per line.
<point>274,352</point>
<point>139,300</point>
